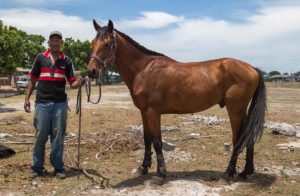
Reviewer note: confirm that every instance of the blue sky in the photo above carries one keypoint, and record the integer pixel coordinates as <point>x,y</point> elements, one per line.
<point>264,33</point>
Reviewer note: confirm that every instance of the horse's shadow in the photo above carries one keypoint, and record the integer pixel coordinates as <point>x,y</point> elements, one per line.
<point>256,179</point>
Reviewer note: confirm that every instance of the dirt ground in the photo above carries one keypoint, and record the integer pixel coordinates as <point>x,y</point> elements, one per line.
<point>112,149</point>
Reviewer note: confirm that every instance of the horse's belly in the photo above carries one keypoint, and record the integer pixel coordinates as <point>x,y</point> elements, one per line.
<point>185,108</point>
<point>190,104</point>
<point>178,100</point>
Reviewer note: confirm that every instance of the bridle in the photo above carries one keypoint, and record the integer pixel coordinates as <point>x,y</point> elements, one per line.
<point>110,58</point>
<point>102,64</point>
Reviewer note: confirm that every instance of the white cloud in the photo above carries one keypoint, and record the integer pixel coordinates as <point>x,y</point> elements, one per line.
<point>42,22</point>
<point>151,20</point>
<point>268,38</point>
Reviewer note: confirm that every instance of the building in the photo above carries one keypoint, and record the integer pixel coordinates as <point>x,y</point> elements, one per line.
<point>284,78</point>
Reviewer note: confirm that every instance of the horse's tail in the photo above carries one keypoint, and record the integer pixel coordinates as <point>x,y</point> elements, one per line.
<point>252,128</point>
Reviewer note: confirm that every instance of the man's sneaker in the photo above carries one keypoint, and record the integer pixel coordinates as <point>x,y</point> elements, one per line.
<point>34,174</point>
<point>60,175</point>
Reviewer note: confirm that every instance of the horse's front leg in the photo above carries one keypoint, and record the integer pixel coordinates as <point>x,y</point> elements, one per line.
<point>143,169</point>
<point>161,166</point>
<point>154,121</point>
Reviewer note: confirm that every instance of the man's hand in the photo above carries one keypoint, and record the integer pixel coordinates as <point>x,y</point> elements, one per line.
<point>27,106</point>
<point>29,90</point>
<point>78,82</point>
<point>83,81</point>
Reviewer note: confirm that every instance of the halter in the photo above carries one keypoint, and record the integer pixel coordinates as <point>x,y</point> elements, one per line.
<point>111,55</point>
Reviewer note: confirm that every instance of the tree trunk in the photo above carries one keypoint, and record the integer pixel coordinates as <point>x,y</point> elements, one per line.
<point>9,80</point>
<point>15,81</point>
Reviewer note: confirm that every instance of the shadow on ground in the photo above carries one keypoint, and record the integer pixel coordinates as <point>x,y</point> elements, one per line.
<point>257,179</point>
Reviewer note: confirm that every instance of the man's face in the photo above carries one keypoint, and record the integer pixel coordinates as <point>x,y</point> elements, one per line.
<point>55,43</point>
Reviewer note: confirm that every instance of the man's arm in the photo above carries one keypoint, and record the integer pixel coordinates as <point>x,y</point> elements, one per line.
<point>29,90</point>
<point>77,83</point>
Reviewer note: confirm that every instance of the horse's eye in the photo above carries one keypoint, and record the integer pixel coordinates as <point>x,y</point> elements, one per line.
<point>107,45</point>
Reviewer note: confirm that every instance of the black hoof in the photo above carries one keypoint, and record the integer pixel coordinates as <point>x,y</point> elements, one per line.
<point>228,176</point>
<point>157,180</point>
<point>243,176</point>
<point>142,170</point>
<point>162,172</point>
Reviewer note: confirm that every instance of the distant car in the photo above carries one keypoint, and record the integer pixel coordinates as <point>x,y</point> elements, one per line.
<point>23,82</point>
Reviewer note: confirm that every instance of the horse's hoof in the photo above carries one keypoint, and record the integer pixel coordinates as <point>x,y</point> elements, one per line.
<point>243,176</point>
<point>157,180</point>
<point>142,170</point>
<point>228,177</point>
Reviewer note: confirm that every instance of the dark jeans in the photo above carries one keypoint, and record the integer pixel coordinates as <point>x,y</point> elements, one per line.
<point>49,119</point>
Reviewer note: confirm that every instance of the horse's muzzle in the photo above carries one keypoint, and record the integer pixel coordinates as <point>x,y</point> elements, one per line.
<point>92,73</point>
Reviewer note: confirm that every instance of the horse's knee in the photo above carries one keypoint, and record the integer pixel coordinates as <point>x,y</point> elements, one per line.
<point>157,144</point>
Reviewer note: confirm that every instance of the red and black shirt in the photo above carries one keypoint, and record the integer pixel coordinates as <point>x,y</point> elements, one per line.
<point>52,78</point>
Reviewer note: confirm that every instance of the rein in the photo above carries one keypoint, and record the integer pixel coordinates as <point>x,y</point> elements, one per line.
<point>78,112</point>
<point>88,89</point>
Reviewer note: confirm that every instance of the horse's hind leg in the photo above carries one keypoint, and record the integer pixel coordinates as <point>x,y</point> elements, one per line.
<point>249,167</point>
<point>237,113</point>
<point>143,169</point>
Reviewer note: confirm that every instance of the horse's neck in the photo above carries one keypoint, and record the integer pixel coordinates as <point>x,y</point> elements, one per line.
<point>129,61</point>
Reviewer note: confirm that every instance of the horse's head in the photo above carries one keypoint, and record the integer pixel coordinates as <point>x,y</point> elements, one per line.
<point>103,49</point>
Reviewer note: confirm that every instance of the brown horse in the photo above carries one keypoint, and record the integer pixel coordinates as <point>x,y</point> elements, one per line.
<point>161,85</point>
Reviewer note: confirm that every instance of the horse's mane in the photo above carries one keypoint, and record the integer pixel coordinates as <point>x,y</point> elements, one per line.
<point>137,45</point>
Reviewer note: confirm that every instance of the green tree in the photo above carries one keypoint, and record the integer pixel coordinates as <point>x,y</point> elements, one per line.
<point>108,74</point>
<point>297,73</point>
<point>272,73</point>
<point>33,44</point>
<point>17,49</point>
<point>11,50</point>
<point>78,51</point>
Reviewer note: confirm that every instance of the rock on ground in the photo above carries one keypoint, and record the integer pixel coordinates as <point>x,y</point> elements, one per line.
<point>208,120</point>
<point>283,128</point>
<point>281,170</point>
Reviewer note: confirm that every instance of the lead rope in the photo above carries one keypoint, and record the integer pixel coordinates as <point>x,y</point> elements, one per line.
<point>78,112</point>
<point>88,92</point>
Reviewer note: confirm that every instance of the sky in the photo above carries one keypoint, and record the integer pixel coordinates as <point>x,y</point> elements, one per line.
<point>264,33</point>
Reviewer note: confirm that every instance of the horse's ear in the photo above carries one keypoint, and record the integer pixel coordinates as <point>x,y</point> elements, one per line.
<point>110,26</point>
<point>96,25</point>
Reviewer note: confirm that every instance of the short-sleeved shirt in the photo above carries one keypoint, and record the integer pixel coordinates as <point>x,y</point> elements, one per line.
<point>52,78</point>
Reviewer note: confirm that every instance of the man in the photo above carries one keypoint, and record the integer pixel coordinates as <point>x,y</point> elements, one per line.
<point>50,69</point>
